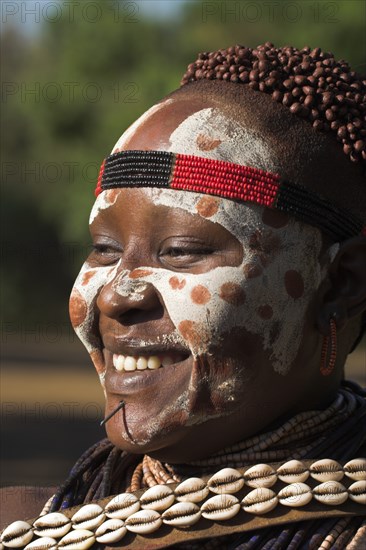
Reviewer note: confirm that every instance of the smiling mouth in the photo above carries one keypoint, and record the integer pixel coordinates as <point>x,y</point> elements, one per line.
<point>136,370</point>
<point>129,363</point>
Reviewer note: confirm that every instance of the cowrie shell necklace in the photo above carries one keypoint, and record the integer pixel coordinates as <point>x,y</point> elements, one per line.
<point>255,490</point>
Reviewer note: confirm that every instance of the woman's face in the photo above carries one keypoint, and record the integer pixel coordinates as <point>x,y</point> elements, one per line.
<point>196,310</point>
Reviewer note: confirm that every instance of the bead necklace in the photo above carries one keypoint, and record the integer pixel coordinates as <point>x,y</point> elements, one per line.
<point>338,431</point>
<point>104,470</point>
<point>280,444</point>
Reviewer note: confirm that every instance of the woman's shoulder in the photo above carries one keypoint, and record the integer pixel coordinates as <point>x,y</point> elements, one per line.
<point>22,502</point>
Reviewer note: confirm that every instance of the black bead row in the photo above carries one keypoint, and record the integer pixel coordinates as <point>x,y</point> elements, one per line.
<point>313,209</point>
<point>138,169</point>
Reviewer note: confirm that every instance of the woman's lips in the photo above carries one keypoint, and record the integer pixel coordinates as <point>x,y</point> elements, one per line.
<point>143,371</point>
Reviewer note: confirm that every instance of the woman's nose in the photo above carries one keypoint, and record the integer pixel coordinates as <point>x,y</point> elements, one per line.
<point>125,297</point>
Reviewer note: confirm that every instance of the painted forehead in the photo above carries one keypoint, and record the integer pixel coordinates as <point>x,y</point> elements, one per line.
<point>211,134</point>
<point>207,150</point>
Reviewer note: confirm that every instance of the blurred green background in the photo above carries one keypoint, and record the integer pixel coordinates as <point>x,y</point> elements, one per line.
<point>75,74</point>
<point>75,77</point>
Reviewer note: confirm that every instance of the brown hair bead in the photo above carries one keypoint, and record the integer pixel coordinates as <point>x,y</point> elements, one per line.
<point>310,82</point>
<point>359,145</point>
<point>309,101</point>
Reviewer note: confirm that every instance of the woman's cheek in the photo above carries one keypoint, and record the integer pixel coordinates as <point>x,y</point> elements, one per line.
<point>269,293</point>
<point>205,308</point>
<point>83,312</point>
<point>199,305</point>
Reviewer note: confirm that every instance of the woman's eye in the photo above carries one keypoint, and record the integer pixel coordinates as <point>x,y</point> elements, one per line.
<point>104,253</point>
<point>176,251</point>
<point>178,255</point>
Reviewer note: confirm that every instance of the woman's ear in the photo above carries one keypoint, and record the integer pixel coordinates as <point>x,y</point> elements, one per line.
<point>344,295</point>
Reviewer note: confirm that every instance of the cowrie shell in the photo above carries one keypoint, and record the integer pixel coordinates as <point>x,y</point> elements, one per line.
<point>182,514</point>
<point>43,543</point>
<point>110,531</point>
<point>226,481</point>
<point>357,492</point>
<point>54,525</point>
<point>193,489</point>
<point>17,534</point>
<point>144,522</point>
<point>220,507</point>
<point>356,469</point>
<point>330,492</point>
<point>122,506</point>
<point>88,517</point>
<point>80,539</point>
<point>158,498</point>
<point>260,475</point>
<point>295,494</point>
<point>259,501</point>
<point>292,472</point>
<point>326,470</point>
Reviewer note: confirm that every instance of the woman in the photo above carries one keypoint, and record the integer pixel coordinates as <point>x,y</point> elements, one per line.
<point>226,287</point>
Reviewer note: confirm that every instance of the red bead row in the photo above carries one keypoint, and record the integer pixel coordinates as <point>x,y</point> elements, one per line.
<point>225,179</point>
<point>98,188</point>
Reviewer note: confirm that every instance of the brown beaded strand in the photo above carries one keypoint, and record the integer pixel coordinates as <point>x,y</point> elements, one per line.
<point>261,448</point>
<point>136,479</point>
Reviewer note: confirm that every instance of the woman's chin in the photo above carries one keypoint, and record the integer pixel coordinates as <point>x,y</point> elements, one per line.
<point>141,440</point>
<point>136,432</point>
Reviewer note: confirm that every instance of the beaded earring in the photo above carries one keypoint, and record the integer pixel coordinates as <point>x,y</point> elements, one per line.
<point>327,364</point>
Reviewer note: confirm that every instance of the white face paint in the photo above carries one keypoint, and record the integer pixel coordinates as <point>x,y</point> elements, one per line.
<point>82,308</point>
<point>209,133</point>
<point>269,301</point>
<point>204,307</point>
<point>104,200</point>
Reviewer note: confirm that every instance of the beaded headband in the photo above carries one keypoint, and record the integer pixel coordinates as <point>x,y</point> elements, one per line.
<point>166,170</point>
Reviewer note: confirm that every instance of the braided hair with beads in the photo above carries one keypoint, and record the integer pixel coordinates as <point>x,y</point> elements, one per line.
<point>310,82</point>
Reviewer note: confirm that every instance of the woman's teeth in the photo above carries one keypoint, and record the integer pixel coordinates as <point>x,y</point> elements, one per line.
<point>130,363</point>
